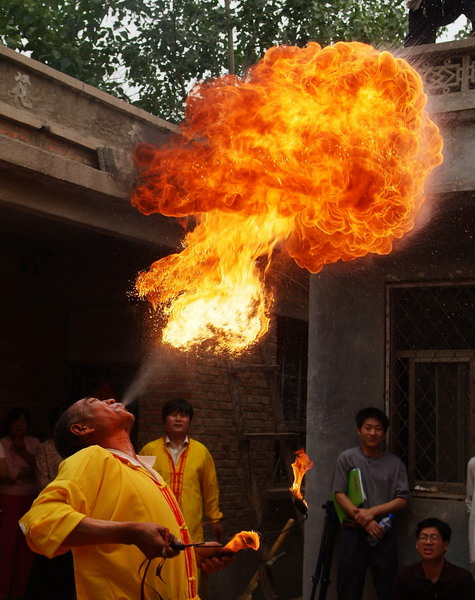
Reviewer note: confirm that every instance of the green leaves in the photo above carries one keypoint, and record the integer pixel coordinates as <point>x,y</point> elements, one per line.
<point>150,51</point>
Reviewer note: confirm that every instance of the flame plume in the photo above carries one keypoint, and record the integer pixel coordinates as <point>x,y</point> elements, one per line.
<point>301,465</point>
<point>322,151</point>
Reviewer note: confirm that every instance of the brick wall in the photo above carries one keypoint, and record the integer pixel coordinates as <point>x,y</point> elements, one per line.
<point>205,382</point>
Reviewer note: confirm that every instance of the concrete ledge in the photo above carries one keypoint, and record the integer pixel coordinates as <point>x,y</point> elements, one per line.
<point>447,72</point>
<point>31,193</point>
<point>21,61</point>
<point>61,169</point>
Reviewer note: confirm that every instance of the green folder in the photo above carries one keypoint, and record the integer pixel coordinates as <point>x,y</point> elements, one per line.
<point>354,491</point>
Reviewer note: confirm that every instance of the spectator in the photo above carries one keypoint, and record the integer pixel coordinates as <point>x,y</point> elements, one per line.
<point>386,487</point>
<point>17,492</point>
<point>51,578</point>
<point>433,578</point>
<point>471,519</point>
<point>47,457</point>
<point>188,467</point>
<point>426,16</point>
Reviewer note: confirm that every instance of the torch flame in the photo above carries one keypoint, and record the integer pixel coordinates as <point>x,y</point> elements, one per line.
<point>324,152</point>
<point>243,541</point>
<point>301,465</point>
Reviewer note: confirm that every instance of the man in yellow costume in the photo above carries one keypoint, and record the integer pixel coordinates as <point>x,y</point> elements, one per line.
<point>188,468</point>
<point>114,512</point>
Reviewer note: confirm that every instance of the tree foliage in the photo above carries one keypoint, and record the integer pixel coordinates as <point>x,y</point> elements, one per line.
<point>150,51</point>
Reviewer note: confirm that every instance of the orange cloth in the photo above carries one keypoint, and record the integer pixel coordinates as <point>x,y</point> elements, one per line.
<point>193,481</point>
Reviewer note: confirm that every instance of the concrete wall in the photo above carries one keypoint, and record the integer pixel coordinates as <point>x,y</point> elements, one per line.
<point>348,312</point>
<point>347,360</point>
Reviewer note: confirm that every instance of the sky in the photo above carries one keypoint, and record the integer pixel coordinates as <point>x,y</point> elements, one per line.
<point>452,29</point>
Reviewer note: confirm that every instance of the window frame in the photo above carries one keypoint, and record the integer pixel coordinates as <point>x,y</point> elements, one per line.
<point>414,356</point>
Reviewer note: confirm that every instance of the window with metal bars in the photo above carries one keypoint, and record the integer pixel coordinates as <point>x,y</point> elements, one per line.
<point>431,382</point>
<point>292,357</point>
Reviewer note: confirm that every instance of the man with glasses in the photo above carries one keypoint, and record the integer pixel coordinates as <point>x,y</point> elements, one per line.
<point>433,578</point>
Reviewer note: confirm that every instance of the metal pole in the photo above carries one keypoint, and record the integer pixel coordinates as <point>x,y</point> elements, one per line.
<point>227,8</point>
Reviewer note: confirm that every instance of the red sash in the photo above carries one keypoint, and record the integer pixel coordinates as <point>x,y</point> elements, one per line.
<point>172,503</point>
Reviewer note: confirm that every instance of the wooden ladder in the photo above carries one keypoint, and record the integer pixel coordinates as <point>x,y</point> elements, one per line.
<point>245,438</point>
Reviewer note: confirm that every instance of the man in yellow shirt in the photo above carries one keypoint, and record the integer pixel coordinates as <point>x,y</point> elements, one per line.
<point>188,468</point>
<point>114,512</point>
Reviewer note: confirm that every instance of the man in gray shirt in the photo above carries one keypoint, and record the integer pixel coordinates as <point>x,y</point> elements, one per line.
<point>385,485</point>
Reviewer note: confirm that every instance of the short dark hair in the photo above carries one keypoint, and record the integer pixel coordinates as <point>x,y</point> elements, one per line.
<point>371,413</point>
<point>177,405</point>
<point>54,413</point>
<point>64,439</point>
<point>14,414</point>
<point>443,527</point>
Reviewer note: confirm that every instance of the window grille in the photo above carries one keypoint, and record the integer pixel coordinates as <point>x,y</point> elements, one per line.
<point>431,367</point>
<point>292,357</point>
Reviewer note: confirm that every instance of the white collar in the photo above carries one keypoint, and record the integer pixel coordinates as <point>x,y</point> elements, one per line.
<point>185,441</point>
<point>136,461</point>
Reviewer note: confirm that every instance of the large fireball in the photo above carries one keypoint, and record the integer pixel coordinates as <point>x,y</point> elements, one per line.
<point>322,151</point>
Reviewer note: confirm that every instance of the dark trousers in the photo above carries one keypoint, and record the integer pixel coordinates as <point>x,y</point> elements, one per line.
<point>424,22</point>
<point>356,556</point>
<point>52,578</point>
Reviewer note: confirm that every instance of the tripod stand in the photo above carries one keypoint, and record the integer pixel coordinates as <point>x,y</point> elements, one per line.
<point>325,554</point>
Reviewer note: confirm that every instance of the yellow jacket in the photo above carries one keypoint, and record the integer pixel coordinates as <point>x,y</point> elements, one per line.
<point>193,481</point>
<point>100,484</point>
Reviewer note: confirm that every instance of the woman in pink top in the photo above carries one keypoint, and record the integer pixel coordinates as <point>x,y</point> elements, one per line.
<point>17,492</point>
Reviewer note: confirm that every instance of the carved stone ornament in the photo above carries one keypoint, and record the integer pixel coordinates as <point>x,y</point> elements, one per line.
<point>449,75</point>
<point>134,134</point>
<point>21,90</point>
